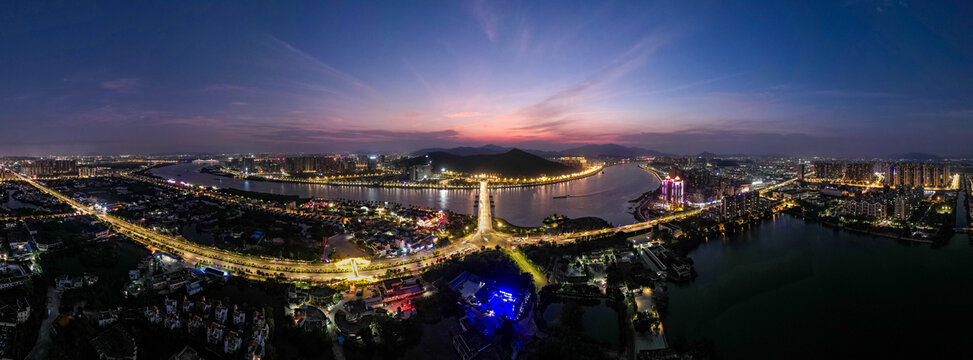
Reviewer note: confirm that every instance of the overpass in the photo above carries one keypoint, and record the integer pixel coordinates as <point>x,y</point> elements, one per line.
<point>484,227</point>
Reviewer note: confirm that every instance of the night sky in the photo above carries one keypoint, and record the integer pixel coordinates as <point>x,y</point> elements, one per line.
<point>835,78</point>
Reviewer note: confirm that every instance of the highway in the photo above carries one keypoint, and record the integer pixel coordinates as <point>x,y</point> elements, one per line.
<point>41,216</point>
<point>317,271</point>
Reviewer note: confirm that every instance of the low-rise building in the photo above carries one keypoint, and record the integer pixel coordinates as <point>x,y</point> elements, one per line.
<point>115,344</point>
<point>16,312</point>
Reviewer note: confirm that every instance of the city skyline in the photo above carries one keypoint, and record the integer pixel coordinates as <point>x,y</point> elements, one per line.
<point>837,78</point>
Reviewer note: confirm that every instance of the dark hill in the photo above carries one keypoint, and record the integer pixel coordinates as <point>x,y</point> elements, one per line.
<point>514,163</point>
<point>482,150</point>
<point>465,150</point>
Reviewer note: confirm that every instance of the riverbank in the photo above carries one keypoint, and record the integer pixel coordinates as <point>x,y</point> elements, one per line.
<point>839,226</point>
<point>395,185</point>
<point>652,170</point>
<point>874,233</point>
<point>602,195</point>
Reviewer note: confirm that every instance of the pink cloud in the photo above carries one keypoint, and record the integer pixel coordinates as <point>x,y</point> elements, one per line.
<point>464,114</point>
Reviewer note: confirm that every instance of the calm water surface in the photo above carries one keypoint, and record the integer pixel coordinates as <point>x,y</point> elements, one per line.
<point>604,195</point>
<point>790,289</point>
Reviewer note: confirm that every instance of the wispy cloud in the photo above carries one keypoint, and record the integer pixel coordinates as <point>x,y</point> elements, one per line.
<point>487,17</point>
<point>545,126</point>
<point>524,35</point>
<point>463,114</point>
<point>122,86</point>
<point>690,85</point>
<point>299,134</point>
<point>320,65</point>
<point>564,100</point>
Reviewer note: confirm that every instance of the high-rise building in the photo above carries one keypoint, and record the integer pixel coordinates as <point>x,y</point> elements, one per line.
<point>800,172</point>
<point>859,172</point>
<point>829,170</point>
<point>310,164</point>
<point>90,171</point>
<point>673,190</point>
<point>738,205</point>
<point>578,162</point>
<point>851,172</point>
<point>50,167</point>
<point>420,172</point>
<point>918,174</point>
<point>7,175</point>
<point>246,164</point>
<point>900,208</point>
<point>372,163</point>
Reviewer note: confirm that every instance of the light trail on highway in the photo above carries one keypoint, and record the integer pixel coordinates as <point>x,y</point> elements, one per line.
<point>315,271</point>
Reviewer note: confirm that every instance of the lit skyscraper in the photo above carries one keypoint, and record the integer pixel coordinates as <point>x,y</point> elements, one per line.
<point>672,190</point>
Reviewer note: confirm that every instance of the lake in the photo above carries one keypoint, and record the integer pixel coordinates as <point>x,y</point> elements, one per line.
<point>790,289</point>
<point>603,195</point>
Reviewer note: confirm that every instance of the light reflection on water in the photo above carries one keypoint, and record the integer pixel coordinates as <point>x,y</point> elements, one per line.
<point>604,195</point>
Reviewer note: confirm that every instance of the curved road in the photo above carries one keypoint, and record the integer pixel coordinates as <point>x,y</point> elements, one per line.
<point>317,271</point>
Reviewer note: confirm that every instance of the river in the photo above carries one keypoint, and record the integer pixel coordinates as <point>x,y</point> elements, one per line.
<point>790,289</point>
<point>603,195</point>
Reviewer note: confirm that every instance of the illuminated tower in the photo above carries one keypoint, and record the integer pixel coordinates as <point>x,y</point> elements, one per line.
<point>672,191</point>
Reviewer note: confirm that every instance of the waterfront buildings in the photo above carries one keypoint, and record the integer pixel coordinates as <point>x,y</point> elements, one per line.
<point>738,205</point>
<point>420,172</point>
<point>310,164</point>
<point>673,191</point>
<point>869,206</point>
<point>578,162</point>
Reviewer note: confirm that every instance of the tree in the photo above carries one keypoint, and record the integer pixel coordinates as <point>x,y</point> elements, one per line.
<point>644,321</point>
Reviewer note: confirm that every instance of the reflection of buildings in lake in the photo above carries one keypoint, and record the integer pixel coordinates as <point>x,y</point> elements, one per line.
<point>603,195</point>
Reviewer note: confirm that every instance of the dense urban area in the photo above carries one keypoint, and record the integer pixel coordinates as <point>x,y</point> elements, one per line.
<point>103,259</point>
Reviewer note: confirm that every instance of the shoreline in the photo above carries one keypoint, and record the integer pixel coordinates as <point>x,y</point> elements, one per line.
<point>652,171</point>
<point>868,232</point>
<point>836,226</point>
<point>597,170</point>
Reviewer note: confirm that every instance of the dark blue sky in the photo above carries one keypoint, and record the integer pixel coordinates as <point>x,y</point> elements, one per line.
<point>843,77</point>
